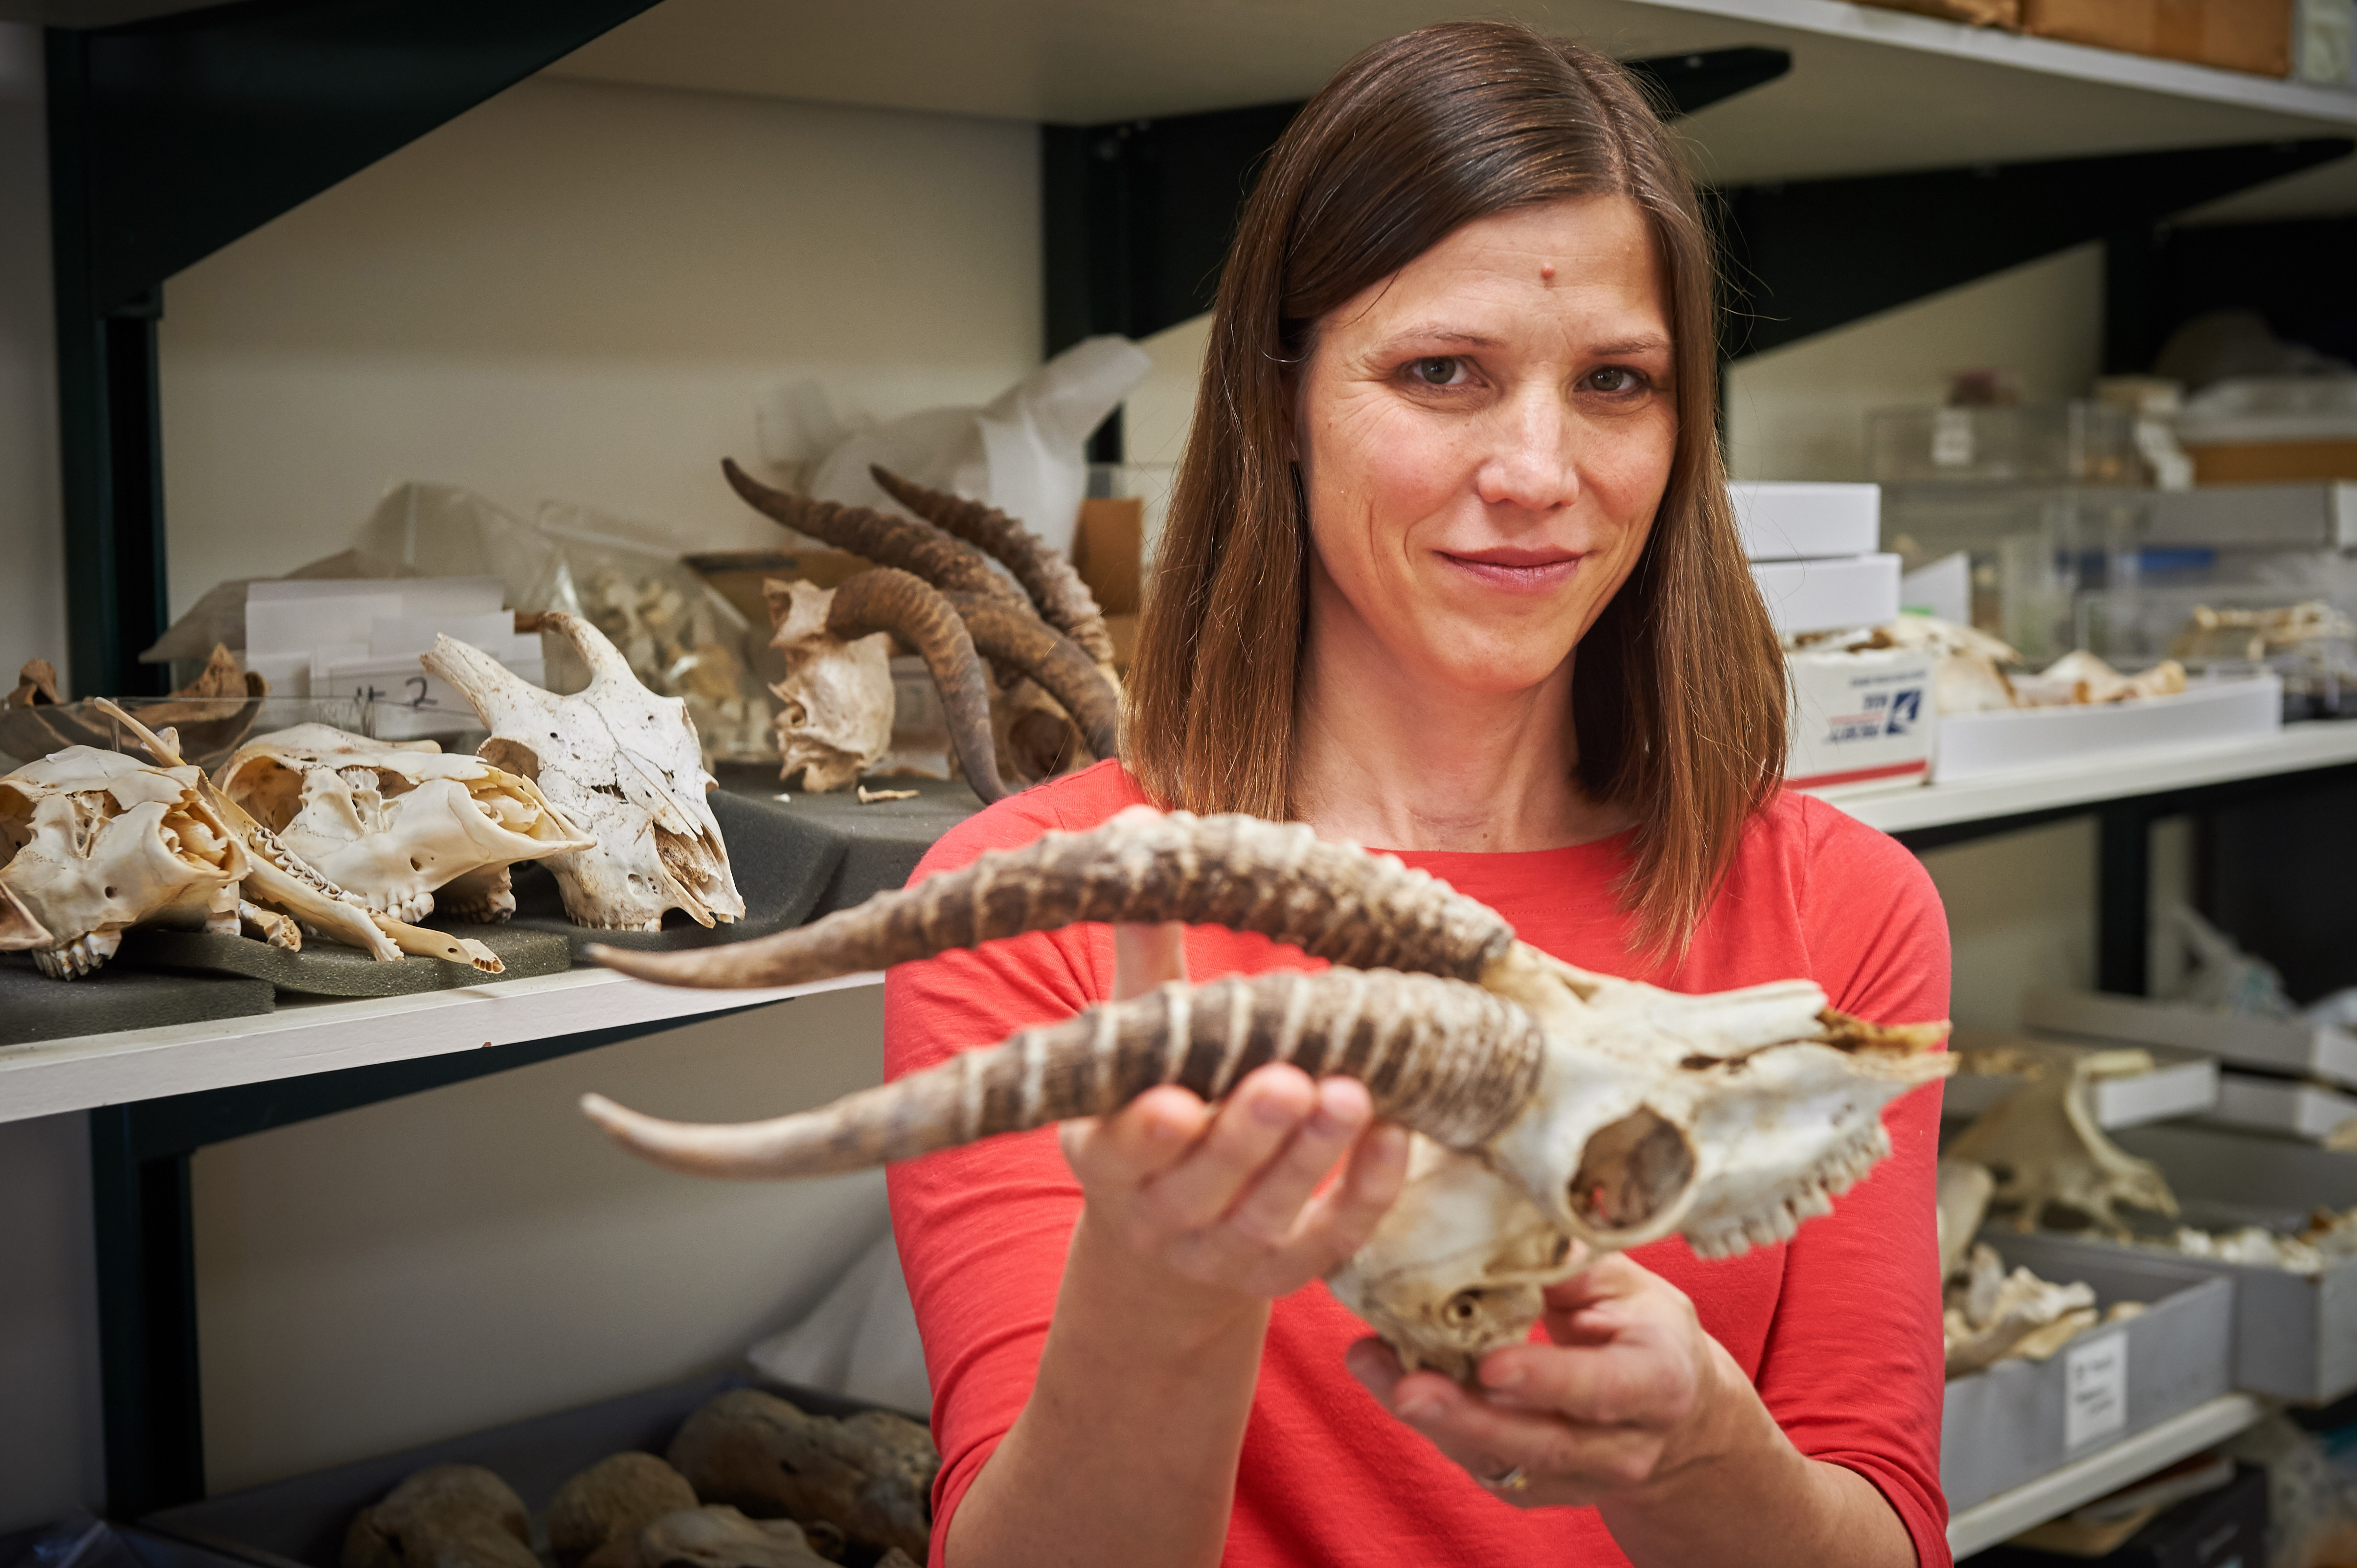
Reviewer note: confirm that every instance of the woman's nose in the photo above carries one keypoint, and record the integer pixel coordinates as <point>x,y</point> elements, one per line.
<point>1531,461</point>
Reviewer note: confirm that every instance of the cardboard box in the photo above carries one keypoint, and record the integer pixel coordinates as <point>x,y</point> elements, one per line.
<point>737,574</point>
<point>1831,595</point>
<point>1861,719</point>
<point>1791,521</point>
<point>2252,36</point>
<point>1976,746</point>
<point>1974,13</point>
<point>2287,1045</point>
<point>2295,1335</point>
<point>1108,551</point>
<point>2020,1419</point>
<point>2272,462</point>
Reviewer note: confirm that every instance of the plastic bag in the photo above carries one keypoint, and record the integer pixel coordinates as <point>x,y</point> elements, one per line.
<point>2222,976</point>
<point>1026,454</point>
<point>442,531</point>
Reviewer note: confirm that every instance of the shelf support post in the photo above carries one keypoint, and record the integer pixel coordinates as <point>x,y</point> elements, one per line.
<point>2123,896</point>
<point>147,1318</point>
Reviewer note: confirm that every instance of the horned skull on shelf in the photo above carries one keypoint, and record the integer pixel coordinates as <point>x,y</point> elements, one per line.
<point>1554,1106</point>
<point>617,762</point>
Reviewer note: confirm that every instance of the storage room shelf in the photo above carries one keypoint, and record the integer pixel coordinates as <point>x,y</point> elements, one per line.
<point>1869,91</point>
<point>2115,776</point>
<point>2009,1513</point>
<point>83,1071</point>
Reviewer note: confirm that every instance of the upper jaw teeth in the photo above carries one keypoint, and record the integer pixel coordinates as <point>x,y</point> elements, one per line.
<point>79,957</point>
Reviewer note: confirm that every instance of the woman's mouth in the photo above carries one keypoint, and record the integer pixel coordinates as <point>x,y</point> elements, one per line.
<point>1515,571</point>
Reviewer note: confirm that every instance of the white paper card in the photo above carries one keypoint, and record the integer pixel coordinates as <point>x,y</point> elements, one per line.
<point>2095,1396</point>
<point>283,623</point>
<point>413,633</point>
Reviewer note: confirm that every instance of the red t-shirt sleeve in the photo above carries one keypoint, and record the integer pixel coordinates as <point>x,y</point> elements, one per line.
<point>1853,1371</point>
<point>983,1229</point>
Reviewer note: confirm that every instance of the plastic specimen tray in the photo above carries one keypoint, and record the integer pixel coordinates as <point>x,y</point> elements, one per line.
<point>1976,746</point>
<point>2285,1045</point>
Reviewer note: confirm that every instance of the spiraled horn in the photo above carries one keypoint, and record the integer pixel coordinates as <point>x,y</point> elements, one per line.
<point>1008,637</point>
<point>890,600</point>
<point>1063,600</point>
<point>1343,905</point>
<point>888,541</point>
<point>1444,1057</point>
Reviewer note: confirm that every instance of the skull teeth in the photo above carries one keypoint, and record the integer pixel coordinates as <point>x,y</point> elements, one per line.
<point>79,957</point>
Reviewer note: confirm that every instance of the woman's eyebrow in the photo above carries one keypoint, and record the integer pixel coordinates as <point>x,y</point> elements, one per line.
<point>1649,343</point>
<point>1433,332</point>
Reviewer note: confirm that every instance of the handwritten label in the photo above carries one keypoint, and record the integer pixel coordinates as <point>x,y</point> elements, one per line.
<point>2096,1380</point>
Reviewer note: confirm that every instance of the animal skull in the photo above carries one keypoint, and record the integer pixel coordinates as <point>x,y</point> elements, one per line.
<point>94,842</point>
<point>2044,1146</point>
<point>618,761</point>
<point>836,723</point>
<point>1568,1107</point>
<point>395,823</point>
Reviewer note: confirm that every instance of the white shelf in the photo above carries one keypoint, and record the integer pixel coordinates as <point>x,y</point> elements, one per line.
<point>51,1076</point>
<point>2009,1513</point>
<point>2115,776</point>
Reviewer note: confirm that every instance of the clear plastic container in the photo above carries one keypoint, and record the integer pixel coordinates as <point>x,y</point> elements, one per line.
<point>2077,443</point>
<point>2031,550</point>
<point>2218,629</point>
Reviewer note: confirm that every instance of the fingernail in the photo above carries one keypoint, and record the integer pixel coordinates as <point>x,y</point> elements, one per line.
<point>1509,1376</point>
<point>1419,1409</point>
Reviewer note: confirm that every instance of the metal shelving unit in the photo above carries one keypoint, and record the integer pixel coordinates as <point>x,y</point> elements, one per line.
<point>1863,158</point>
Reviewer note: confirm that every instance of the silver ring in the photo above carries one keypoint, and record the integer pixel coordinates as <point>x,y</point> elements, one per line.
<point>1510,1480</point>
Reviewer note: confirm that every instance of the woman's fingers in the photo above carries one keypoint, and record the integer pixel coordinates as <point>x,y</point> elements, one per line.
<point>1270,1210</point>
<point>1246,1133</point>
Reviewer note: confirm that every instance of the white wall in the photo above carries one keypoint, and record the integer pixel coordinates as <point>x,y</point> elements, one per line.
<point>575,292</point>
<point>479,1254</point>
<point>32,553</point>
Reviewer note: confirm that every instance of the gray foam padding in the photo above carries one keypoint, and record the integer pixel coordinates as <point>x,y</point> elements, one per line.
<point>330,969</point>
<point>35,1007</point>
<point>794,860</point>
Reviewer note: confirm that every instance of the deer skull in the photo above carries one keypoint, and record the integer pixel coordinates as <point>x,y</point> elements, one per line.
<point>617,761</point>
<point>394,824</point>
<point>1567,1107</point>
<point>94,842</point>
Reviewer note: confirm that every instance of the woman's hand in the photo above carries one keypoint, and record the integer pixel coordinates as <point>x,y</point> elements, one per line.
<point>1228,1197</point>
<point>1630,1393</point>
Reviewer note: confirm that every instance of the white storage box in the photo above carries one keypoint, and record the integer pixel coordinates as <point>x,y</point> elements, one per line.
<point>1973,746</point>
<point>2295,1335</point>
<point>2020,1419</point>
<point>2307,1111</point>
<point>2281,1045</point>
<point>1831,595</point>
<point>1861,719</point>
<point>2179,1085</point>
<point>1791,521</point>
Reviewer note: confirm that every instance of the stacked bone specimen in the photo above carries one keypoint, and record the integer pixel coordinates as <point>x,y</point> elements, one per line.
<point>1970,677</point>
<point>612,1501</point>
<point>210,715</point>
<point>405,827</point>
<point>2328,1238</point>
<point>869,1476</point>
<point>1554,1106</point>
<point>2216,635</point>
<point>619,764</point>
<point>1990,1314</point>
<point>2052,1163</point>
<point>452,1516</point>
<point>1049,654</point>
<point>673,638</point>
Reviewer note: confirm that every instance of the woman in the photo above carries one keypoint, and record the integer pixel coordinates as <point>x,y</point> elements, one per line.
<point>1449,570</point>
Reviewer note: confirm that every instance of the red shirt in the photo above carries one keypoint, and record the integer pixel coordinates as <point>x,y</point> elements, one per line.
<point>1839,1328</point>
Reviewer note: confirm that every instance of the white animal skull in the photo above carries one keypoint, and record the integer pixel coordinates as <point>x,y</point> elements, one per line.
<point>94,842</point>
<point>399,825</point>
<point>836,723</point>
<point>617,762</point>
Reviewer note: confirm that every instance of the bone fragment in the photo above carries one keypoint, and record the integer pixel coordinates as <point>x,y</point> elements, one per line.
<point>836,703</point>
<point>714,1536</point>
<point>1964,1191</point>
<point>616,762</point>
<point>870,1476</point>
<point>904,605</point>
<point>878,797</point>
<point>1063,600</point>
<point>2044,1146</point>
<point>613,1499</point>
<point>1991,1314</point>
<point>453,1516</point>
<point>915,547</point>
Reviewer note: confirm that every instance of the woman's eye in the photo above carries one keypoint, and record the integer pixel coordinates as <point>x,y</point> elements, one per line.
<point>1439,371</point>
<point>1615,379</point>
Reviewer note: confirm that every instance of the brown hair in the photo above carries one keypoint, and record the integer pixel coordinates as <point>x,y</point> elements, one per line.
<point>1679,689</point>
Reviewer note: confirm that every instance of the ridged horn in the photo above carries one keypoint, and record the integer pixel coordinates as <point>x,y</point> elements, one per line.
<point>886,599</point>
<point>1013,640</point>
<point>1063,600</point>
<point>1444,1057</point>
<point>888,541</point>
<point>1343,905</point>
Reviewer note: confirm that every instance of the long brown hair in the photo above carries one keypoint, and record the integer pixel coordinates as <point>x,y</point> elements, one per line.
<point>1678,692</point>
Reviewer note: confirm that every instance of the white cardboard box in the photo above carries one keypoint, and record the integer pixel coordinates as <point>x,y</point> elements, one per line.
<point>1861,719</point>
<point>1973,746</point>
<point>1829,595</point>
<point>1791,521</point>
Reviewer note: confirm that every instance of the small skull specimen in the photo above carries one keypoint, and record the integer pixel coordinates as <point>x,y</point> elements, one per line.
<point>2051,1160</point>
<point>611,1501</point>
<point>405,827</point>
<point>442,1518</point>
<point>618,763</point>
<point>94,842</point>
<point>1560,1106</point>
<point>869,1476</point>
<point>835,718</point>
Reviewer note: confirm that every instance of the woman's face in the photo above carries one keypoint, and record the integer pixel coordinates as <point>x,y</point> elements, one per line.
<point>1483,438</point>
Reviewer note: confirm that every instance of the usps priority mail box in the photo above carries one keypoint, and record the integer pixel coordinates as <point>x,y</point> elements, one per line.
<point>1861,719</point>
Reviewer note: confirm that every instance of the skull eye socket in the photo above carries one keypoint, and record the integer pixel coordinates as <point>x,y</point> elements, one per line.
<point>1631,1170</point>
<point>1461,1310</point>
<point>511,757</point>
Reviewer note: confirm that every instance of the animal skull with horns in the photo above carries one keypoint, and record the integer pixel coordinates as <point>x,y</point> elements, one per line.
<point>1553,1106</point>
